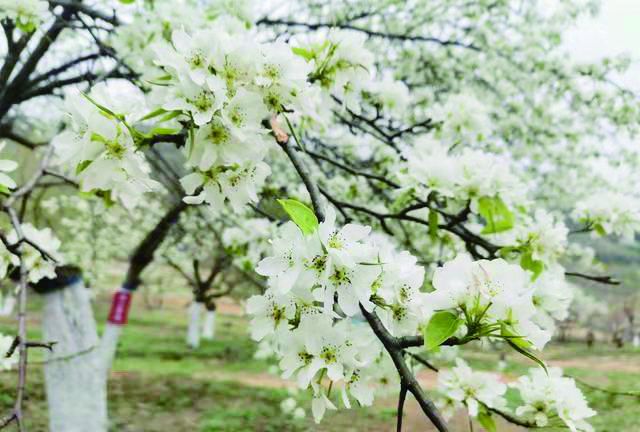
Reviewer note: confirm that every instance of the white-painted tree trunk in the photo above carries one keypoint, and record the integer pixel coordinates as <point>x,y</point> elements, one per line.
<point>7,305</point>
<point>75,380</point>
<point>209,326</point>
<point>118,316</point>
<point>109,344</point>
<point>193,331</point>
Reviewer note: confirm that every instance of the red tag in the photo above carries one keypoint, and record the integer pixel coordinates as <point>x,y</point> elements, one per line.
<point>120,307</point>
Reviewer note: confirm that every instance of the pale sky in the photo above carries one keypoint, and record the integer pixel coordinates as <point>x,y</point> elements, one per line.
<point>616,30</point>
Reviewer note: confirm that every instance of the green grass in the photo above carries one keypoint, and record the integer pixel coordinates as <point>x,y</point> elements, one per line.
<point>157,384</point>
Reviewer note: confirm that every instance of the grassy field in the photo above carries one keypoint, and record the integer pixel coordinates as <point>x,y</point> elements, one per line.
<point>159,385</point>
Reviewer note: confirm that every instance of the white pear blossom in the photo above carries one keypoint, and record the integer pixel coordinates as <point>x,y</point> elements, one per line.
<point>610,213</point>
<point>495,292</point>
<point>466,176</point>
<point>552,297</point>
<point>391,94</point>
<point>461,386</point>
<point>38,266</point>
<point>237,184</point>
<point>547,395</point>
<point>100,147</point>
<point>464,119</point>
<point>6,166</point>
<point>293,253</point>
<point>26,13</point>
<point>7,363</point>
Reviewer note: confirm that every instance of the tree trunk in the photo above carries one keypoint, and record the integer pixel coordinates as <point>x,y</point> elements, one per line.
<point>193,331</point>
<point>209,326</point>
<point>75,381</point>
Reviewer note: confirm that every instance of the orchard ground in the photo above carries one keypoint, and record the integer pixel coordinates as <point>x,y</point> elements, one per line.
<point>157,384</point>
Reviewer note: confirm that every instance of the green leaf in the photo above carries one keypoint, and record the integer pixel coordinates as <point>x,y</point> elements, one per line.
<point>496,214</point>
<point>308,55</point>
<point>513,337</point>
<point>528,263</point>
<point>154,113</point>
<point>127,1</point>
<point>82,166</point>
<point>163,131</point>
<point>598,228</point>
<point>102,108</point>
<point>170,116</point>
<point>487,422</point>
<point>26,27</point>
<point>301,215</point>
<point>441,327</point>
<point>433,225</point>
<point>527,354</point>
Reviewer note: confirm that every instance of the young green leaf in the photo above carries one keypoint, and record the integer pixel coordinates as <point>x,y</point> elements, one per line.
<point>102,108</point>
<point>528,263</point>
<point>598,228</point>
<point>301,215</point>
<point>487,422</point>
<point>506,332</point>
<point>441,327</point>
<point>82,166</point>
<point>154,113</point>
<point>308,55</point>
<point>527,354</point>
<point>433,225</point>
<point>496,214</point>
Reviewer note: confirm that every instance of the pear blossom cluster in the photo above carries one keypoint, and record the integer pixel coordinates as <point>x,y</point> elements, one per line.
<point>547,396</point>
<point>610,213</point>
<point>38,265</point>
<point>468,175</point>
<point>542,236</point>
<point>311,309</point>
<point>100,145</point>
<point>494,298</point>
<point>27,14</point>
<point>341,64</point>
<point>461,386</point>
<point>223,84</point>
<point>309,318</point>
<point>464,120</point>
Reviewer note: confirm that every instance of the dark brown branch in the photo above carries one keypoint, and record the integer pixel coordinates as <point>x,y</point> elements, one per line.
<point>351,170</point>
<point>86,10</point>
<point>513,419</point>
<point>6,132</point>
<point>312,188</point>
<point>372,33</point>
<point>395,352</point>
<point>143,255</point>
<point>607,280</point>
<point>422,361</point>
<point>401,399</point>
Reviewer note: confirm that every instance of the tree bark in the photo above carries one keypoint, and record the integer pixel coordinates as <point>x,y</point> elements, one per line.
<point>75,384</point>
